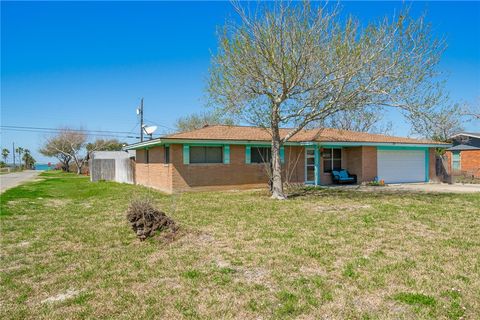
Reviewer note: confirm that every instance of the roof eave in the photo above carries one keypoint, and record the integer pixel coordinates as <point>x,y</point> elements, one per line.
<point>384,144</point>
<point>163,141</point>
<point>473,135</point>
<point>142,145</point>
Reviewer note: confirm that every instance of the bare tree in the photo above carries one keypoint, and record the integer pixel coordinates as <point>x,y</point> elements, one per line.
<point>105,145</point>
<point>367,120</point>
<point>68,145</point>
<point>199,120</point>
<point>473,111</point>
<point>440,124</point>
<point>292,64</point>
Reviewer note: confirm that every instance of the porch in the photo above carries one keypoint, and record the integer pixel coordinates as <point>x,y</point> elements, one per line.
<point>321,160</point>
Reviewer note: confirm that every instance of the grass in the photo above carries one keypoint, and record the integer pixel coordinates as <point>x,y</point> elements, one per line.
<point>67,249</point>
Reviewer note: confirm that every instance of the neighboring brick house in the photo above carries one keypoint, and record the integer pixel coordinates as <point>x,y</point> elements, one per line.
<point>231,157</point>
<point>464,156</point>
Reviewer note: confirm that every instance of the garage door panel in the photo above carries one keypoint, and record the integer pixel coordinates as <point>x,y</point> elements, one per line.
<point>397,166</point>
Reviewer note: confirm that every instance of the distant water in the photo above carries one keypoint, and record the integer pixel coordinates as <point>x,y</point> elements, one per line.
<point>39,166</point>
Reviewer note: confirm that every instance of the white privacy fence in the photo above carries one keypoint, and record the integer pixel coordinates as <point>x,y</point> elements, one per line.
<point>115,166</point>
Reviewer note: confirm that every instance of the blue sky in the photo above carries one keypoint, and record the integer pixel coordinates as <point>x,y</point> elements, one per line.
<point>87,64</point>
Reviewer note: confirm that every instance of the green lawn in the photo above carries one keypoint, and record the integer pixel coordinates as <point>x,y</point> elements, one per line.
<point>67,251</point>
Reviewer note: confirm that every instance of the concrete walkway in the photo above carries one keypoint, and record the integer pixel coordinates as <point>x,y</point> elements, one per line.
<point>13,179</point>
<point>417,187</point>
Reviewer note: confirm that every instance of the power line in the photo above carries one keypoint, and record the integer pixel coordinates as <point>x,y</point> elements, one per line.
<point>53,132</point>
<point>61,129</point>
<point>155,123</point>
<point>104,133</point>
<point>49,131</point>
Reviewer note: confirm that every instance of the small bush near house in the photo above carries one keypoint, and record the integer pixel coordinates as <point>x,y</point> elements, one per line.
<point>466,177</point>
<point>145,219</point>
<point>376,183</point>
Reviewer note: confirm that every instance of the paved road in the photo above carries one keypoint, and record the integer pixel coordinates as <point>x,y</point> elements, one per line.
<point>13,179</point>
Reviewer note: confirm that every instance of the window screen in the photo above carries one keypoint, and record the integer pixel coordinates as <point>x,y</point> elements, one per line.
<point>332,159</point>
<point>167,154</point>
<point>206,155</point>
<point>261,154</point>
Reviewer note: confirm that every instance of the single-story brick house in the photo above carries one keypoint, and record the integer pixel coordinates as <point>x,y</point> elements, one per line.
<point>230,157</point>
<point>464,155</point>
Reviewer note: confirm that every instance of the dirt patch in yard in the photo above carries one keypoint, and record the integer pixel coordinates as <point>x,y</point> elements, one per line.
<point>56,203</point>
<point>341,207</point>
<point>62,296</point>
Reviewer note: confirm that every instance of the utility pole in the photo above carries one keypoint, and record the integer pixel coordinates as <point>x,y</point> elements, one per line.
<point>141,120</point>
<point>13,152</point>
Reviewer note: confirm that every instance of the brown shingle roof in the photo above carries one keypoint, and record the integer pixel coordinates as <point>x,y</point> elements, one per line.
<point>224,132</point>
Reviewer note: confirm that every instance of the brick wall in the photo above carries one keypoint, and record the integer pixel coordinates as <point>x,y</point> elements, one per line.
<point>155,173</point>
<point>353,161</point>
<point>470,162</point>
<point>177,176</point>
<point>369,163</point>
<point>236,174</point>
<point>431,165</point>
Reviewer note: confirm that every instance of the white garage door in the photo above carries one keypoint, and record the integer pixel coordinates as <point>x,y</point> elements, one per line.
<point>396,166</point>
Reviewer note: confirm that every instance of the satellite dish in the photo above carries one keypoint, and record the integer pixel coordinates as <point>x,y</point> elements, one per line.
<point>138,111</point>
<point>149,130</point>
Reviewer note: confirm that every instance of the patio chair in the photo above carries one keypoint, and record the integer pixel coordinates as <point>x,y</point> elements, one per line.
<point>343,177</point>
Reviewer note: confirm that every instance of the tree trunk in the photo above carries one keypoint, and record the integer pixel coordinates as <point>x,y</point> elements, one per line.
<point>277,183</point>
<point>79,166</point>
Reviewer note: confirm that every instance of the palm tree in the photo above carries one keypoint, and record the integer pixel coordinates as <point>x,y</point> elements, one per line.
<point>5,153</point>
<point>19,151</point>
<point>28,159</point>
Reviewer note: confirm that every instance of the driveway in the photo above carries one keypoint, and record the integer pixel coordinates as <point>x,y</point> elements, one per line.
<point>437,187</point>
<point>13,179</point>
<point>416,187</point>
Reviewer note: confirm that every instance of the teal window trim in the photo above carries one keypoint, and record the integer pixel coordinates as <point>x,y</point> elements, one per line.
<point>427,165</point>
<point>248,154</point>
<point>317,165</point>
<point>226,154</point>
<point>206,144</point>
<point>225,147</point>
<point>456,160</point>
<point>186,154</point>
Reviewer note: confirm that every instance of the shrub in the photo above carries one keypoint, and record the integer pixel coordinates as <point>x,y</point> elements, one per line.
<point>376,183</point>
<point>145,219</point>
